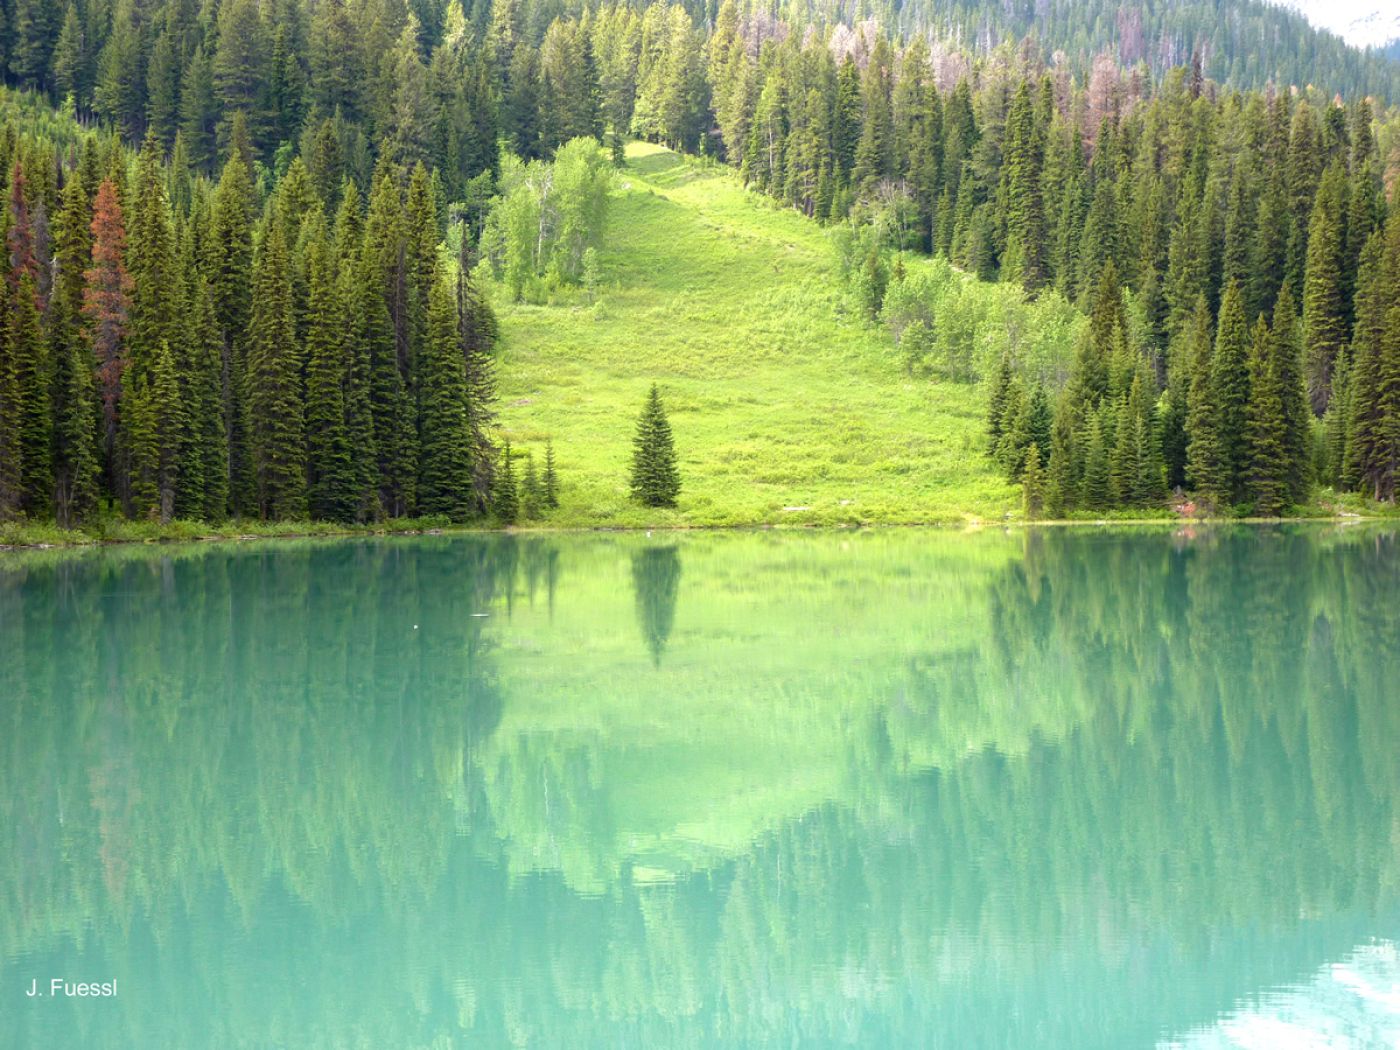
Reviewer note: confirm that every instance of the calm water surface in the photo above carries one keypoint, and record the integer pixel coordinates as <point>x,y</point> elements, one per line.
<point>1065,789</point>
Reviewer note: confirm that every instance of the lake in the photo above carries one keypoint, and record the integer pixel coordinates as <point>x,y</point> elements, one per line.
<point>1063,788</point>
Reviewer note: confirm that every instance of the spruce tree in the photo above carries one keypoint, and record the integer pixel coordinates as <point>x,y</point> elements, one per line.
<point>1324,325</point>
<point>551,478</point>
<point>445,438</point>
<point>655,480</point>
<point>75,424</point>
<point>1096,486</point>
<point>330,472</point>
<point>1287,358</point>
<point>531,496</point>
<point>1266,432</point>
<point>276,412</point>
<point>505,498</point>
<point>32,384</point>
<point>1229,389</point>
<point>1033,484</point>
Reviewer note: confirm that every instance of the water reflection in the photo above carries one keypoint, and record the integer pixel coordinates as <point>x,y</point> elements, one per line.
<point>1051,789</point>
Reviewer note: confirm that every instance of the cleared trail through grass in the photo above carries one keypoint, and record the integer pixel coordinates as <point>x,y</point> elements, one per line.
<point>786,408</point>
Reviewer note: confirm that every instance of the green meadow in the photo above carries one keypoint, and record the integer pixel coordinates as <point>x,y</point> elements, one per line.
<point>787,407</point>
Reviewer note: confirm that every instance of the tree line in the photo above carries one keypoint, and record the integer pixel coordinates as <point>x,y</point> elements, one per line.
<point>177,347</point>
<point>1011,169</point>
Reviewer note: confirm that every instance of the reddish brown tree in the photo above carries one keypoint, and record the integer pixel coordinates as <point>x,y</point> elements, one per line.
<point>19,239</point>
<point>106,303</point>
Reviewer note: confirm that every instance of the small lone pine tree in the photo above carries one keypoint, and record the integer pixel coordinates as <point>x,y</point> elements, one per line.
<point>551,479</point>
<point>655,480</point>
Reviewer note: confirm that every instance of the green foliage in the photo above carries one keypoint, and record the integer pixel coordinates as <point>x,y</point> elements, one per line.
<point>655,480</point>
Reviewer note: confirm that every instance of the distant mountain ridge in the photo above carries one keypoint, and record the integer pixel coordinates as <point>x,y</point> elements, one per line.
<point>1361,23</point>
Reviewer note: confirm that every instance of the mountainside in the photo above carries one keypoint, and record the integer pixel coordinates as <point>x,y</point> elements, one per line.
<point>1361,23</point>
<point>784,411</point>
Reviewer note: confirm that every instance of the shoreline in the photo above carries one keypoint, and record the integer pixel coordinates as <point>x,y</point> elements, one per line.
<point>53,538</point>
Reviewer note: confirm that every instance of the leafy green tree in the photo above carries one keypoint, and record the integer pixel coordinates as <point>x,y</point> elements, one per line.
<point>655,480</point>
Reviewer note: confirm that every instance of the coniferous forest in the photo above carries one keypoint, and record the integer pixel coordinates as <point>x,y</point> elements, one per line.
<point>246,241</point>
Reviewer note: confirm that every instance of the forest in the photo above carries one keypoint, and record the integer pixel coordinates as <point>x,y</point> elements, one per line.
<point>248,243</point>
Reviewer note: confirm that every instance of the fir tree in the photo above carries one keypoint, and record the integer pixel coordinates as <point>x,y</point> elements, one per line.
<point>1033,484</point>
<point>275,408</point>
<point>655,481</point>
<point>1324,325</point>
<point>551,478</point>
<point>1229,390</point>
<point>75,424</point>
<point>1267,477</point>
<point>445,437</point>
<point>531,496</point>
<point>505,499</point>
<point>331,490</point>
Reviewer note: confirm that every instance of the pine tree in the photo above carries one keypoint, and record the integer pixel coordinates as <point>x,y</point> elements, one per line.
<point>75,424</point>
<point>1033,484</point>
<point>106,305</point>
<point>1024,259</point>
<point>1287,357</point>
<point>505,499</point>
<point>531,497</point>
<point>1229,389</point>
<point>445,437</point>
<point>32,378</point>
<point>655,480</point>
<point>275,407</point>
<point>1324,325</point>
<point>331,491</point>
<point>1096,487</point>
<point>1207,470</point>
<point>1267,477</point>
<point>382,310</point>
<point>551,478</point>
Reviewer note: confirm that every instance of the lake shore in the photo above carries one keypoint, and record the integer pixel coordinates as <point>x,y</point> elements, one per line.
<point>20,536</point>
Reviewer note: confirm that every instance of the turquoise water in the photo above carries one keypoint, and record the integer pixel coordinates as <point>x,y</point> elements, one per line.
<point>1062,789</point>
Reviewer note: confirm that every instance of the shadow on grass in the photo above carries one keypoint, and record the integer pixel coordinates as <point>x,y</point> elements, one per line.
<point>665,168</point>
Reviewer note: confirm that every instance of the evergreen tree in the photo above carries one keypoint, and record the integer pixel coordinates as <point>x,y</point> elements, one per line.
<point>655,480</point>
<point>276,412</point>
<point>1267,479</point>
<point>551,478</point>
<point>1033,484</point>
<point>1229,390</point>
<point>1324,325</point>
<point>531,497</point>
<point>331,489</point>
<point>505,499</point>
<point>445,437</point>
<point>1287,358</point>
<point>75,423</point>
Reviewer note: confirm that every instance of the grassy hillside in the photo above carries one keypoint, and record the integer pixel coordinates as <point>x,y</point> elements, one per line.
<point>779,398</point>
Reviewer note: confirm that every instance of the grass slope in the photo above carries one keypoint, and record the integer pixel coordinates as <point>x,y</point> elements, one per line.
<point>778,397</point>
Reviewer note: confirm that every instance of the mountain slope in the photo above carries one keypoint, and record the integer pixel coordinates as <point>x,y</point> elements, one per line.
<point>1361,23</point>
<point>776,402</point>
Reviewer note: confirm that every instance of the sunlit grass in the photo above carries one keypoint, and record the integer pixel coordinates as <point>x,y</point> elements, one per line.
<point>786,408</point>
